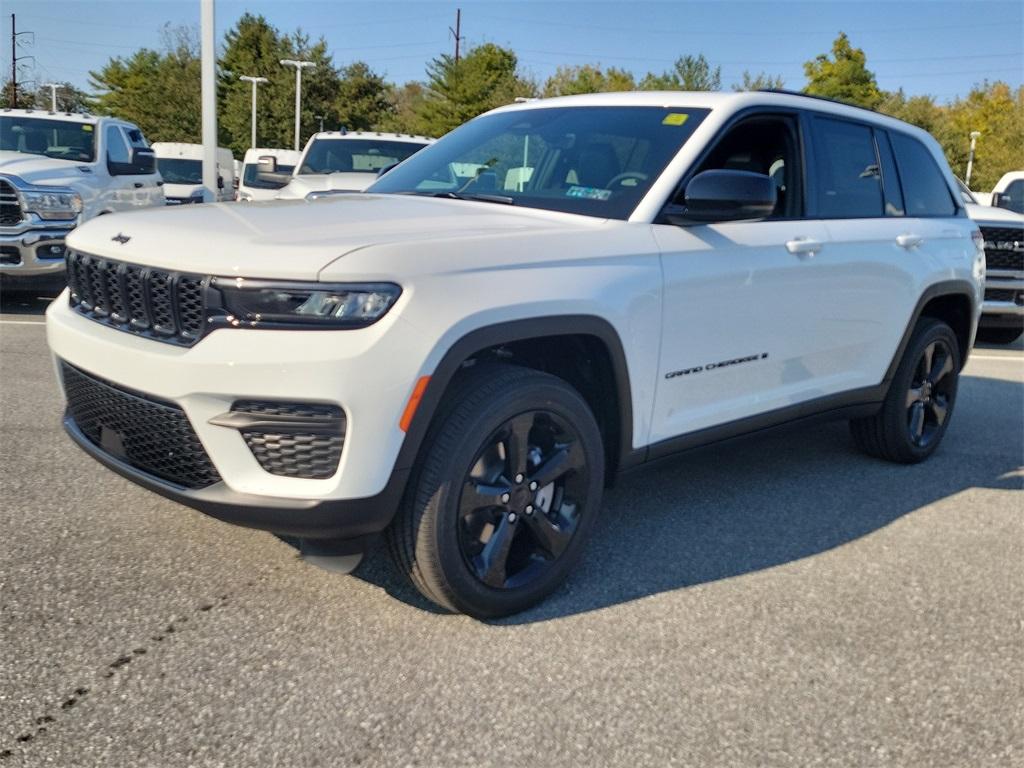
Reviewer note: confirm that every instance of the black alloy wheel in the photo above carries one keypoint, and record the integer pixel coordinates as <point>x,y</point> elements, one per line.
<point>522,499</point>
<point>928,398</point>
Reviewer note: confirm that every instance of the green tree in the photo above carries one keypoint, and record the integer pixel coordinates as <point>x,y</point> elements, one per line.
<point>406,105</point>
<point>997,111</point>
<point>689,73</point>
<point>364,100</point>
<point>844,77</point>
<point>760,82</point>
<point>483,79</point>
<point>588,78</point>
<point>24,96</point>
<point>69,98</point>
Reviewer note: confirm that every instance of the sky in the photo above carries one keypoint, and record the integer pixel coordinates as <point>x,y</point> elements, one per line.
<point>936,48</point>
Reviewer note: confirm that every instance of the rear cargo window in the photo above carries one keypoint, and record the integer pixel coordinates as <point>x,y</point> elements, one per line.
<point>925,192</point>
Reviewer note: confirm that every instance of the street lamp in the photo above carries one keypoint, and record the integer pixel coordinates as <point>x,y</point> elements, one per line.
<point>255,83</point>
<point>321,119</point>
<point>53,94</point>
<point>970,158</point>
<point>299,66</point>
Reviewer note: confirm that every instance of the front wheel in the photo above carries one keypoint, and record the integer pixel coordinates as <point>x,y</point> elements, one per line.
<point>506,495</point>
<point>919,404</point>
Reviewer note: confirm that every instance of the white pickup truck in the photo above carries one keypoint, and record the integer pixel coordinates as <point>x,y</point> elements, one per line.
<point>181,166</point>
<point>56,171</point>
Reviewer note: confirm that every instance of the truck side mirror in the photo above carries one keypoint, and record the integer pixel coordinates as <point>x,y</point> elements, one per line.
<point>142,159</point>
<point>220,182</point>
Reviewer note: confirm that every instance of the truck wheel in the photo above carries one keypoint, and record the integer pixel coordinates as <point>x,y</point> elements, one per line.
<point>920,401</point>
<point>507,492</point>
<point>1000,335</point>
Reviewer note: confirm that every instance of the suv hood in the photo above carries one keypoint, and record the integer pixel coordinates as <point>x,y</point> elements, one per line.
<point>987,214</point>
<point>37,169</point>
<point>302,185</point>
<point>296,239</point>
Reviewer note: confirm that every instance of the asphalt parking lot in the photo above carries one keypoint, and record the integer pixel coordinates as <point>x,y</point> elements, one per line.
<point>781,601</point>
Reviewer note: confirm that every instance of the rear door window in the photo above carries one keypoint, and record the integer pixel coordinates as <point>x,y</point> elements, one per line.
<point>849,183</point>
<point>925,192</point>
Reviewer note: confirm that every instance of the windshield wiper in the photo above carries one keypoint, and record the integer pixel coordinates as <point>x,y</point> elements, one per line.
<point>483,198</point>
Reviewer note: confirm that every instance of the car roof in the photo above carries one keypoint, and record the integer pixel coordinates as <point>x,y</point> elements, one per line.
<point>374,135</point>
<point>84,117</point>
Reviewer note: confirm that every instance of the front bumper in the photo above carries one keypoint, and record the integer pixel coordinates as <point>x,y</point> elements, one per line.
<point>369,373</point>
<point>30,250</point>
<point>1004,299</point>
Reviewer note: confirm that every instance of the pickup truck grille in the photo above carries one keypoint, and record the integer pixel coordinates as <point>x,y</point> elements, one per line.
<point>161,305</point>
<point>151,435</point>
<point>10,207</point>
<point>1004,248</point>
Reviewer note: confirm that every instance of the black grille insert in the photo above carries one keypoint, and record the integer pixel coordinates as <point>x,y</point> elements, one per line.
<point>1004,248</point>
<point>10,206</point>
<point>151,435</point>
<point>302,440</point>
<point>167,306</point>
<point>1003,294</point>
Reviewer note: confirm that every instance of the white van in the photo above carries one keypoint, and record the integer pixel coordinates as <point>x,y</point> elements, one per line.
<point>265,171</point>
<point>181,166</point>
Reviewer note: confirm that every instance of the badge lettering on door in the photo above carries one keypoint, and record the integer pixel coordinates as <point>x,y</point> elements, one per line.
<point>713,366</point>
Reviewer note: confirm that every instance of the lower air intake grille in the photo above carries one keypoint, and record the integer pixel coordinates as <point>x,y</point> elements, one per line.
<point>151,435</point>
<point>1001,294</point>
<point>307,444</point>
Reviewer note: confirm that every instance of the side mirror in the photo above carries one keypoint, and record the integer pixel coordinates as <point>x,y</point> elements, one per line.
<point>142,159</point>
<point>267,164</point>
<point>998,200</point>
<point>385,169</point>
<point>725,195</point>
<point>220,182</point>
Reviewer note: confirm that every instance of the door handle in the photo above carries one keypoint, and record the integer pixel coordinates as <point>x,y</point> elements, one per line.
<point>803,246</point>
<point>138,185</point>
<point>908,241</point>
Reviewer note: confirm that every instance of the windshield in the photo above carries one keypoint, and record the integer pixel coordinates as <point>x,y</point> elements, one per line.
<point>596,161</point>
<point>355,155</point>
<point>176,170</point>
<point>251,176</point>
<point>60,139</point>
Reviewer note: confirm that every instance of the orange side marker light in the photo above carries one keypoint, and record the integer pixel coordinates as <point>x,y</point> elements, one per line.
<point>414,402</point>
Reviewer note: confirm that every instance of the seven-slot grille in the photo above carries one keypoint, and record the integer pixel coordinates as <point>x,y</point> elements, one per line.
<point>151,435</point>
<point>10,207</point>
<point>167,306</point>
<point>1004,248</point>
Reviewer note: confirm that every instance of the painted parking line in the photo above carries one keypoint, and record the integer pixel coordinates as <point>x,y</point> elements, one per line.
<point>23,322</point>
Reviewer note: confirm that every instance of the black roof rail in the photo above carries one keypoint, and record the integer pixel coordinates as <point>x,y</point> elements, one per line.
<point>788,92</point>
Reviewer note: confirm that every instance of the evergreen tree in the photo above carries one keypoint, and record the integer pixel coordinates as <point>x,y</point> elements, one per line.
<point>844,77</point>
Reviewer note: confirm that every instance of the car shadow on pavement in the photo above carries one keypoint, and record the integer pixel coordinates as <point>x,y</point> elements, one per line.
<point>26,302</point>
<point>763,501</point>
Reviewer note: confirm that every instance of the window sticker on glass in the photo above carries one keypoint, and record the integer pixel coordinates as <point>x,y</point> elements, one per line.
<point>588,193</point>
<point>675,118</point>
<point>87,128</point>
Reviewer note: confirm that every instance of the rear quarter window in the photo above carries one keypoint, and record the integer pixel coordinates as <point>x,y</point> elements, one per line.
<point>925,192</point>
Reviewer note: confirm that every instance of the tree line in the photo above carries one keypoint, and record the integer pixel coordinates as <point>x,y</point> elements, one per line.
<point>159,91</point>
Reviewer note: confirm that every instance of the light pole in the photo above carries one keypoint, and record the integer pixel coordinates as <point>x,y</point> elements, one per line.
<point>299,66</point>
<point>970,158</point>
<point>255,83</point>
<point>321,119</point>
<point>53,94</point>
<point>208,96</point>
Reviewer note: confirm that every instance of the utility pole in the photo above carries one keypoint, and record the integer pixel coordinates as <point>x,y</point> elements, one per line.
<point>457,32</point>
<point>15,58</point>
<point>299,66</point>
<point>970,158</point>
<point>53,94</point>
<point>255,83</point>
<point>208,96</point>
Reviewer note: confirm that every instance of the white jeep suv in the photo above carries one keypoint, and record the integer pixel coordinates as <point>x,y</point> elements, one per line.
<point>466,362</point>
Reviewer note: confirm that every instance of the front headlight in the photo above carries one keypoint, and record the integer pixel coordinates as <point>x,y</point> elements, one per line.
<point>260,304</point>
<point>52,204</point>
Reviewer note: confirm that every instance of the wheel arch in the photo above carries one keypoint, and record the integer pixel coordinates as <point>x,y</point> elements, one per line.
<point>602,375</point>
<point>951,301</point>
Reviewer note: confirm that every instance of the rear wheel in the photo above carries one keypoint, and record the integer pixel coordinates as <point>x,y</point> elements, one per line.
<point>1000,335</point>
<point>506,496</point>
<point>918,406</point>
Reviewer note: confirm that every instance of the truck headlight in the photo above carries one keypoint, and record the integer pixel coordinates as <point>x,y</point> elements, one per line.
<point>262,304</point>
<point>56,204</point>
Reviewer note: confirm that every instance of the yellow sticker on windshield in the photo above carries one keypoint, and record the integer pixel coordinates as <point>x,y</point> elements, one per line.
<point>675,118</point>
<point>87,128</point>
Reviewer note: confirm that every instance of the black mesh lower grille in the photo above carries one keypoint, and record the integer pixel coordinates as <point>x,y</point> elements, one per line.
<point>292,451</point>
<point>1001,294</point>
<point>151,435</point>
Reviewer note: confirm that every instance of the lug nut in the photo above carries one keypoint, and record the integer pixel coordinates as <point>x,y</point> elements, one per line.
<point>511,517</point>
<point>533,486</point>
<point>529,509</point>
<point>504,498</point>
<point>519,478</point>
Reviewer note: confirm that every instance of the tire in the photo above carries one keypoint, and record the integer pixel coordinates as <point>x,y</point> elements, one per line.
<point>919,404</point>
<point>1000,335</point>
<point>472,536</point>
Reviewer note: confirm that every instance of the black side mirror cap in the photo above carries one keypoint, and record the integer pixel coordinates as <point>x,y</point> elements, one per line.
<point>724,195</point>
<point>142,160</point>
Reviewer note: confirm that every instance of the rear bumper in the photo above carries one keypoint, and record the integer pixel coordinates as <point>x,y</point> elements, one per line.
<point>354,521</point>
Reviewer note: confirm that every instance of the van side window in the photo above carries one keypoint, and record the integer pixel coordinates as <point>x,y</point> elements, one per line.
<point>765,144</point>
<point>925,191</point>
<point>847,170</point>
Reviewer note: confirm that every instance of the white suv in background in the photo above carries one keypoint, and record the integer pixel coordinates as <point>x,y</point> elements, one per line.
<point>348,161</point>
<point>58,169</point>
<point>466,363</point>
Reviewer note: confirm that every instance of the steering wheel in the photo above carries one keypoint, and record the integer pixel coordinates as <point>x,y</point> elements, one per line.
<point>621,177</point>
